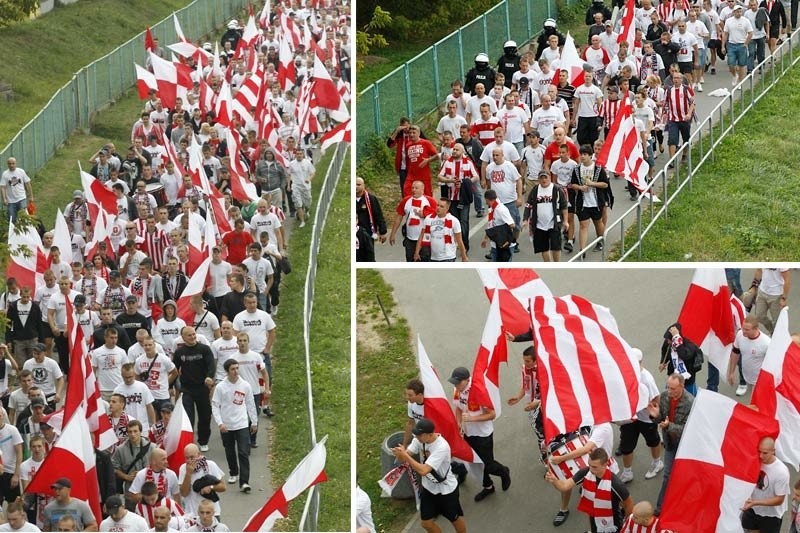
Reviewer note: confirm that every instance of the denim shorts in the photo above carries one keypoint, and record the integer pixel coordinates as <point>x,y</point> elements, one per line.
<point>737,55</point>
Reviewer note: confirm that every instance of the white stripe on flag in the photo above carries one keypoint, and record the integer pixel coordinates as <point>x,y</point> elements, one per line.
<point>705,428</point>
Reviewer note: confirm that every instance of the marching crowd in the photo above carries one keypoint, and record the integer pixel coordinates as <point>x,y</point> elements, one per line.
<point>519,141</point>
<point>588,457</point>
<point>125,275</point>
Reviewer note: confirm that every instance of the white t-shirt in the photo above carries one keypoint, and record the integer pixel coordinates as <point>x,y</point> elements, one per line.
<point>43,295</point>
<point>130,522</point>
<point>9,437</point>
<point>250,366</point>
<point>774,478</point>
<point>563,170</point>
<point>26,527</point>
<point>108,362</point>
<point>137,398</point>
<point>158,378</point>
<point>510,152</point>
<point>259,270</point>
<point>503,179</point>
<point>752,352</point>
<point>172,480</point>
<point>602,436</point>
<point>416,411</point>
<point>14,182</point>
<point>590,195</point>
<point>586,98</point>
<point>545,216</point>
<point>737,29</point>
<point>484,428</point>
<point>686,41</point>
<point>168,333</point>
<point>647,389</point>
<point>772,281</point>
<point>438,458</point>
<point>364,510</point>
<point>206,323</point>
<point>223,350</point>
<point>699,30</point>
<point>442,231</point>
<point>543,120</point>
<point>257,325</point>
<point>300,172</point>
<point>219,278</point>
<point>45,375</point>
<point>513,120</point>
<point>452,125</point>
<point>474,106</point>
<point>268,222</point>
<point>534,160</point>
<point>191,502</point>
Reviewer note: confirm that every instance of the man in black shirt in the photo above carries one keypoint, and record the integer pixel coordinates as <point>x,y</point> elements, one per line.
<point>233,302</point>
<point>196,366</point>
<point>106,322</point>
<point>371,224</point>
<point>473,148</point>
<point>131,319</point>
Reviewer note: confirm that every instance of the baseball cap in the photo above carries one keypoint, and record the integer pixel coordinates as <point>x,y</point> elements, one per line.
<point>524,81</point>
<point>60,483</point>
<point>737,6</point>
<point>37,402</point>
<point>459,374</point>
<point>169,302</point>
<point>114,274</point>
<point>39,347</point>
<point>113,503</point>
<point>131,299</point>
<point>80,299</point>
<point>423,426</point>
<point>167,406</point>
<point>608,23</point>
<point>77,194</point>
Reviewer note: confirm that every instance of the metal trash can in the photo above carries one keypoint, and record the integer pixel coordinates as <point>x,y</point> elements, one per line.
<point>403,490</point>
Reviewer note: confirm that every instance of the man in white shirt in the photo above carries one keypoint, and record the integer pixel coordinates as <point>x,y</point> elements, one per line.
<point>233,409</point>
<point>224,348</point>
<point>264,220</point>
<point>138,398</point>
<point>751,346</point>
<point>120,519</point>
<point>515,120</point>
<point>497,215</point>
<point>736,35</point>
<point>165,479</point>
<point>195,467</point>
<point>251,369</point>
<point>218,271</point>
<point>15,186</point>
<point>764,509</point>
<point>474,103</point>
<point>773,285</point>
<point>503,177</point>
<point>57,319</point>
<point>17,520</point>
<point>260,329</point>
<point>260,269</point>
<point>46,375</point>
<point>546,216</point>
<point>159,371</point>
<point>545,118</point>
<point>441,234</point>
<point>11,452</point>
<point>451,122</point>
<point>107,361</point>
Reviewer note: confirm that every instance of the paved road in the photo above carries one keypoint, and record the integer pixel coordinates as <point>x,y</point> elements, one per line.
<point>705,105</point>
<point>643,301</point>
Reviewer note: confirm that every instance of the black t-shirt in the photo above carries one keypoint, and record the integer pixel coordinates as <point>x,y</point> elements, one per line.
<point>619,493</point>
<point>232,304</point>
<point>195,364</point>
<point>132,323</point>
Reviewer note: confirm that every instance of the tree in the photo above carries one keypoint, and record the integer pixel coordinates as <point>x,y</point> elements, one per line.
<point>15,10</point>
<point>369,39</point>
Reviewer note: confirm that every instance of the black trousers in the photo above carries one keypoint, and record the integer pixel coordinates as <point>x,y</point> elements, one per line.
<point>62,347</point>
<point>198,396</point>
<point>484,447</point>
<point>586,131</point>
<point>411,247</point>
<point>461,212</point>
<point>237,453</point>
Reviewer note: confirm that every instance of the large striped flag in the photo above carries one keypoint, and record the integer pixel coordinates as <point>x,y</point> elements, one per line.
<point>438,410</point>
<point>98,196</point>
<point>485,388</point>
<point>196,286</point>
<point>515,288</point>
<point>627,32</point>
<point>717,465</point>
<point>179,433</point>
<point>27,262</point>
<point>145,82</point>
<point>739,312</point>
<point>622,152</point>
<point>166,74</point>
<point>339,134</point>
<point>706,317</point>
<point>588,374</point>
<point>777,390</point>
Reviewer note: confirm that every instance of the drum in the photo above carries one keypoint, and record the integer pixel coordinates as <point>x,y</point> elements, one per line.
<point>158,192</point>
<point>565,444</point>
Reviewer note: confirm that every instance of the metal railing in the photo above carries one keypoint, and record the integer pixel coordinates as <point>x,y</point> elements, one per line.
<point>104,80</point>
<point>700,148</point>
<point>418,86</point>
<point>308,520</point>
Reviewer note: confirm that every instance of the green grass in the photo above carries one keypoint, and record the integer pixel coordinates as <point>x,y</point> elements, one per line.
<point>385,361</point>
<point>330,345</point>
<point>388,59</point>
<point>743,205</point>
<point>43,54</point>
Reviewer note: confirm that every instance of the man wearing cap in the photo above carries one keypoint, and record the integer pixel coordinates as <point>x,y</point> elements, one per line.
<point>475,422</point>
<point>107,361</point>
<point>736,36</point>
<point>46,375</point>
<point>120,519</point>
<point>77,213</point>
<point>439,493</point>
<point>65,505</point>
<point>159,430</point>
<point>132,320</point>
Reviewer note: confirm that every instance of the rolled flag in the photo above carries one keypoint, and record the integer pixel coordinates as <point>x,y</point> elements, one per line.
<point>485,388</point>
<point>149,42</point>
<point>515,288</point>
<point>309,472</point>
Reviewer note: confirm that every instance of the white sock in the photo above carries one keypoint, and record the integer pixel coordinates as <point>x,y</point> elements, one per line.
<point>627,469</point>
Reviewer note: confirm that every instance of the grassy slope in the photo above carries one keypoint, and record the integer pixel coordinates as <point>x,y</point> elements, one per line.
<point>385,361</point>
<point>330,354</point>
<point>747,198</point>
<point>43,54</point>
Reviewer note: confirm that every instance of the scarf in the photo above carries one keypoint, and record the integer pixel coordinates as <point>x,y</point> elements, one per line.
<point>201,465</point>
<point>530,384</point>
<point>157,432</point>
<point>161,482</point>
<point>491,211</point>
<point>140,288</point>
<point>121,427</point>
<point>459,171</point>
<point>596,501</point>
<point>632,527</point>
<point>146,511</point>
<point>677,362</point>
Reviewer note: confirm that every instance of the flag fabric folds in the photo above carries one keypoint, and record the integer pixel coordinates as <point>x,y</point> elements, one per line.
<point>588,374</point>
<point>515,287</point>
<point>485,388</point>
<point>716,466</point>
<point>179,433</point>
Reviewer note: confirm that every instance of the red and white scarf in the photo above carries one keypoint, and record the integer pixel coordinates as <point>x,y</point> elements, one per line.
<point>146,511</point>
<point>157,433</point>
<point>161,482</point>
<point>459,170</point>
<point>629,526</point>
<point>596,501</point>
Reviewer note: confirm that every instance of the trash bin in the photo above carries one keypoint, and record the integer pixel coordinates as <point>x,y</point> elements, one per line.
<point>403,490</point>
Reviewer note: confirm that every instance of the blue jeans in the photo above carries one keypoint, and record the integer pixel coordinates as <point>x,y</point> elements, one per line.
<point>756,52</point>
<point>268,366</point>
<point>478,198</point>
<point>712,383</point>
<point>669,457</point>
<point>16,207</point>
<point>734,279</point>
<point>692,388</point>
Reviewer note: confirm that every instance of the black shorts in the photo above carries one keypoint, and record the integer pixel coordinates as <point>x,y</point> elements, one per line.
<point>571,194</point>
<point>764,524</point>
<point>686,67</point>
<point>545,240</point>
<point>774,31</point>
<point>595,213</point>
<point>47,333</point>
<point>629,435</point>
<point>715,44</point>
<point>8,494</point>
<point>432,505</point>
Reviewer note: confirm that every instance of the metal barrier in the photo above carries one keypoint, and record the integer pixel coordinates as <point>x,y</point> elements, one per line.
<point>700,148</point>
<point>308,520</point>
<point>421,84</point>
<point>103,81</point>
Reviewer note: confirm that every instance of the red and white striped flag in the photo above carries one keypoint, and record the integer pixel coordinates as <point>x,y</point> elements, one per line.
<point>72,457</point>
<point>439,411</point>
<point>263,17</point>
<point>100,234</point>
<point>62,238</point>
<point>178,434</point>
<point>27,262</point>
<point>485,388</point>
<point>706,317</point>
<point>287,74</point>
<point>187,50</point>
<point>627,32</point>
<point>515,287</point>
<point>339,134</point>
<point>588,374</point>
<point>309,472</point>
<point>777,390</point>
<point>739,313</point>
<point>717,465</point>
<point>571,62</point>
<point>326,93</point>
<point>145,82</point>
<point>196,285</point>
<point>242,189</point>
<point>622,152</point>
<point>98,196</point>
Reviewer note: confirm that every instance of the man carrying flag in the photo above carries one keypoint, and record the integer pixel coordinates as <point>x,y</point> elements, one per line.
<point>475,423</point>
<point>439,495</point>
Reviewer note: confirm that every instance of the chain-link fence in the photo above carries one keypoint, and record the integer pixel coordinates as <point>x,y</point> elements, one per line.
<point>418,86</point>
<point>104,80</point>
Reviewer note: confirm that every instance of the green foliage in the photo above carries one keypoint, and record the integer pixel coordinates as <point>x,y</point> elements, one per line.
<point>369,38</point>
<point>15,10</point>
<point>569,15</point>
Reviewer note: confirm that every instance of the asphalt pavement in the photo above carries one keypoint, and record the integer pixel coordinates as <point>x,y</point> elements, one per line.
<point>447,308</point>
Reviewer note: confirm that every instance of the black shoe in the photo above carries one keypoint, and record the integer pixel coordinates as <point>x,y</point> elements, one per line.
<point>268,412</point>
<point>488,256</point>
<point>484,493</point>
<point>598,247</point>
<point>617,452</point>
<point>568,247</point>
<point>505,476</point>
<point>254,445</point>
<point>560,518</point>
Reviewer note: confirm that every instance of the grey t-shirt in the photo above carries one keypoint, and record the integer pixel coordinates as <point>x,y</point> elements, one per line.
<point>77,509</point>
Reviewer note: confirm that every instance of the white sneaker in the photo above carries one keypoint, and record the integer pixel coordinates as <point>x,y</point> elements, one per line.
<point>700,87</point>
<point>245,488</point>
<point>204,447</point>
<point>655,467</point>
<point>702,80</point>
<point>274,310</point>
<point>741,390</point>
<point>626,476</point>
<point>233,479</point>
<point>303,224</point>
<point>734,81</point>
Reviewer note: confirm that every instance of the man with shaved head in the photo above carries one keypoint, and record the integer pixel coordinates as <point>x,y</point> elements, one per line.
<point>763,510</point>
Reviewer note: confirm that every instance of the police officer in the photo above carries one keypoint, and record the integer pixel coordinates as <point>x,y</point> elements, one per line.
<point>480,73</point>
<point>508,63</point>
<point>549,28</point>
<point>597,7</point>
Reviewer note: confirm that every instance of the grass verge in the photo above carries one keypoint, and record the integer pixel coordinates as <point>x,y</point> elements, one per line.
<point>44,53</point>
<point>330,363</point>
<point>746,197</point>
<point>384,361</point>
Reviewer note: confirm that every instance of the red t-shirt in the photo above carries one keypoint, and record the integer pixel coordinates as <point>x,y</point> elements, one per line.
<point>415,153</point>
<point>551,153</point>
<point>237,244</point>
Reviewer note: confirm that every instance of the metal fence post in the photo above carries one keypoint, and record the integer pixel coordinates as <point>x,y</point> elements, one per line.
<point>549,14</point>
<point>485,35</point>
<point>407,79</point>
<point>528,19</point>
<point>461,54</point>
<point>376,106</point>
<point>508,20</point>
<point>436,88</point>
